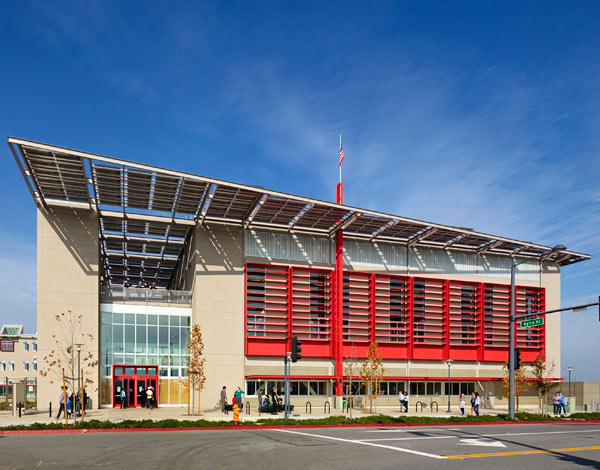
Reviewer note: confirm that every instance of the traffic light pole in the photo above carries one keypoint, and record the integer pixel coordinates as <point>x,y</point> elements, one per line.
<point>511,342</point>
<point>286,381</point>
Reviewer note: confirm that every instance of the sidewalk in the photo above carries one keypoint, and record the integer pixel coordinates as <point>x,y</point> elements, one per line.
<point>116,415</point>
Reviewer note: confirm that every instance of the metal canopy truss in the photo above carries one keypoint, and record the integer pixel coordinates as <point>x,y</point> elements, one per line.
<point>147,212</point>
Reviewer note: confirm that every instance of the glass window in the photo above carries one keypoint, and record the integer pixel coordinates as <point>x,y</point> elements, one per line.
<point>383,388</point>
<point>294,388</point>
<point>163,320</point>
<point>175,361</point>
<point>251,387</point>
<point>152,319</point>
<point>303,388</point>
<point>174,340</point>
<point>151,372</point>
<point>140,339</point>
<point>129,339</point>
<point>437,388</point>
<point>34,366</point>
<point>174,371</point>
<point>464,388</point>
<point>163,340</point>
<point>26,346</point>
<point>118,358</point>
<point>164,360</point>
<point>117,334</point>
<point>118,371</point>
<point>129,319</point>
<point>25,365</point>
<point>152,339</point>
<point>35,346</point>
<point>129,371</point>
<point>185,321</point>
<point>129,359</point>
<point>11,365</point>
<point>140,319</point>
<point>393,388</point>
<point>174,320</point>
<point>140,371</point>
<point>153,359</point>
<point>117,318</point>
<point>164,372</point>
<point>107,318</point>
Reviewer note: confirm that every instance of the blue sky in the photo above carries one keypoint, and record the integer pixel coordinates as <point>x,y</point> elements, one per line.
<point>476,114</point>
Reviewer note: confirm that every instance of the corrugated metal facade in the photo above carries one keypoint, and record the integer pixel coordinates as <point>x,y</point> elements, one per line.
<point>294,247</point>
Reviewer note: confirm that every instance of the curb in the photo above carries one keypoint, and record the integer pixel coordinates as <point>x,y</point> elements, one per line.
<point>296,426</point>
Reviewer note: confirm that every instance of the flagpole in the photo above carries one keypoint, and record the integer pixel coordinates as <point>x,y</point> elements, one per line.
<point>340,165</point>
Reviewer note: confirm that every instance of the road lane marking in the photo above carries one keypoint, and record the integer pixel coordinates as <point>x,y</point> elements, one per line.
<point>425,430</point>
<point>521,452</point>
<point>481,442</point>
<point>352,441</point>
<point>479,435</point>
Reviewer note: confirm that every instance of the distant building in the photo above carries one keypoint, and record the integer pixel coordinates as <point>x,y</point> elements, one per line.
<point>254,267</point>
<point>18,360</point>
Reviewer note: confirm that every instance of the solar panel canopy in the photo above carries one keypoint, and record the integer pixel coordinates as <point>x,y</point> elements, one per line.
<point>146,213</point>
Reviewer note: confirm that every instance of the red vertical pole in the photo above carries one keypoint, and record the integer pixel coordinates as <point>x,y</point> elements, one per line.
<point>372,316</point>
<point>446,318</point>
<point>339,301</point>
<point>289,312</point>
<point>411,316</point>
<point>480,319</point>
<point>542,338</point>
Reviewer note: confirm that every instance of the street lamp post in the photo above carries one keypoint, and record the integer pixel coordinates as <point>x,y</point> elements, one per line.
<point>570,368</point>
<point>78,377</point>
<point>511,346</point>
<point>449,361</point>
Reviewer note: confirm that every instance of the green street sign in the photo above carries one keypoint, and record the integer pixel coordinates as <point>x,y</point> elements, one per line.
<point>534,322</point>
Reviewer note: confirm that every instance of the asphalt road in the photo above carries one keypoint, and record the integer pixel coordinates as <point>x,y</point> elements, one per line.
<point>529,447</point>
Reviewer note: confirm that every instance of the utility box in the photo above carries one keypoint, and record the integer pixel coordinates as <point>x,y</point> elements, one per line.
<point>19,396</point>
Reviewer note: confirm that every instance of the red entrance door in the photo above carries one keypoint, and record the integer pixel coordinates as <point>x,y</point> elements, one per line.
<point>135,381</point>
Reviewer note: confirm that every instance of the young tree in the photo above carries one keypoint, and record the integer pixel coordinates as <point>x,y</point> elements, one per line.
<point>541,370</point>
<point>521,383</point>
<point>372,372</point>
<point>351,369</point>
<point>196,362</point>
<point>64,353</point>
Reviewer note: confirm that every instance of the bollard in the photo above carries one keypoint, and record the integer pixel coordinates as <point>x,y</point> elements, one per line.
<point>308,408</point>
<point>19,405</point>
<point>247,407</point>
<point>51,409</point>
<point>327,408</point>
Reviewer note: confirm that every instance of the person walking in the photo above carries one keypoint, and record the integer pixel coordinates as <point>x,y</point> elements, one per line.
<point>556,403</point>
<point>472,403</point>
<point>61,408</point>
<point>401,399</point>
<point>562,408</point>
<point>223,398</point>
<point>406,401</point>
<point>123,398</point>
<point>476,406</point>
<point>461,404</point>
<point>149,397</point>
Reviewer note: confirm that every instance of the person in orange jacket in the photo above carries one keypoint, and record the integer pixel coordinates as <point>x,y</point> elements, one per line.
<point>236,415</point>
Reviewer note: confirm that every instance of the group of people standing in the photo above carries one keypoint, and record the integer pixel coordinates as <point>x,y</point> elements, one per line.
<point>560,403</point>
<point>475,402</point>
<point>237,400</point>
<point>147,400</point>
<point>70,403</point>
<point>271,403</point>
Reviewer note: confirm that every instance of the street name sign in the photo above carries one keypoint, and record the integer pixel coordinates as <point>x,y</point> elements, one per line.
<point>534,322</point>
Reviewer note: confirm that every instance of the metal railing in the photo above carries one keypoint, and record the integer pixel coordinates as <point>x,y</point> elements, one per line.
<point>137,294</point>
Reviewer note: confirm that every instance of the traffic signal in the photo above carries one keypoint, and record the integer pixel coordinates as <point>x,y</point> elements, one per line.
<point>517,358</point>
<point>296,356</point>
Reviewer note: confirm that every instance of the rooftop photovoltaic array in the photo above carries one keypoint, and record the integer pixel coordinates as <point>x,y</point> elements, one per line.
<point>146,212</point>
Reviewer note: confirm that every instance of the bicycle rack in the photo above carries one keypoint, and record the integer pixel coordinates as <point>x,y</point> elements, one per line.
<point>327,408</point>
<point>247,407</point>
<point>436,406</point>
<point>308,408</point>
<point>417,404</point>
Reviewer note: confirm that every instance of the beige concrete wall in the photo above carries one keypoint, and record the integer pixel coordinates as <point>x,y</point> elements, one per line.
<point>550,280</point>
<point>218,307</point>
<point>67,261</point>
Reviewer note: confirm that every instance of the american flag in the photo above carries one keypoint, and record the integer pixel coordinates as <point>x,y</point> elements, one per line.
<point>341,157</point>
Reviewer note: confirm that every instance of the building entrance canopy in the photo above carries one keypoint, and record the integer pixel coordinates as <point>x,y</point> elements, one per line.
<point>147,212</point>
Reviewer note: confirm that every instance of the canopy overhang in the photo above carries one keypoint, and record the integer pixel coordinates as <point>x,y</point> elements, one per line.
<point>147,212</point>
